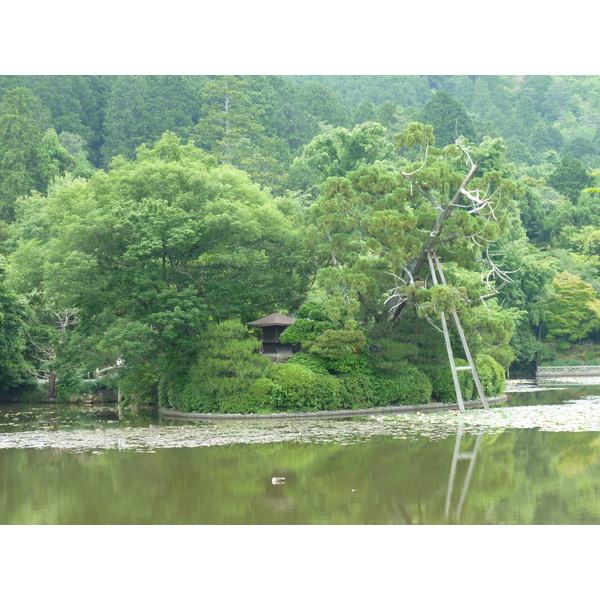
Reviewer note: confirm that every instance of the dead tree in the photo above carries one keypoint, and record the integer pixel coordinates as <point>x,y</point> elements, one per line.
<point>66,317</point>
<point>46,352</point>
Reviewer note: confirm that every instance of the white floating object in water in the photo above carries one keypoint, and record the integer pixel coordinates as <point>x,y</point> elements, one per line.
<point>277,480</point>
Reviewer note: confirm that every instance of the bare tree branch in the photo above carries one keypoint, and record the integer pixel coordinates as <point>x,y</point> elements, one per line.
<point>395,308</point>
<point>66,318</point>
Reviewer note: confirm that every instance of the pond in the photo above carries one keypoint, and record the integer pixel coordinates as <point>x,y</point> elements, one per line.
<point>534,459</point>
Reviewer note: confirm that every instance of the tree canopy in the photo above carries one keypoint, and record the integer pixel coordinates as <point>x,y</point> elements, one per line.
<point>153,249</point>
<point>139,212</point>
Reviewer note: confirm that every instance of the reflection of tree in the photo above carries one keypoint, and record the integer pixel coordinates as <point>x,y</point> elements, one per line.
<point>514,477</point>
<point>536,490</point>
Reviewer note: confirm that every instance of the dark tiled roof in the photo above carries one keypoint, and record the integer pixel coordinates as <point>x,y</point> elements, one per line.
<point>273,319</point>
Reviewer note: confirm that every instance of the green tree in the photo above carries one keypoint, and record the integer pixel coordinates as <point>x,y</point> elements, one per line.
<point>23,121</point>
<point>387,114</point>
<point>588,240</point>
<point>95,96</point>
<point>374,227</point>
<point>231,128</point>
<point>462,87</point>
<point>229,119</point>
<point>75,102</point>
<point>284,114</point>
<point>142,107</point>
<point>76,147</point>
<point>365,111</point>
<point>532,213</point>
<point>567,216</point>
<point>525,112</point>
<point>323,104</point>
<point>581,147</point>
<point>324,329</point>
<point>483,106</point>
<point>226,366</point>
<point>573,313</point>
<point>337,152</point>
<point>448,117</point>
<point>544,137</point>
<point>312,319</point>
<point>570,178</point>
<point>536,87</point>
<point>55,159</point>
<point>14,315</point>
<point>559,101</point>
<point>152,250</point>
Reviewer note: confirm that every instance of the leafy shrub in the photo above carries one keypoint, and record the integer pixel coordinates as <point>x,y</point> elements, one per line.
<point>529,351</point>
<point>358,390</point>
<point>298,389</point>
<point>138,384</point>
<point>171,386</point>
<point>258,399</point>
<point>341,349</point>
<point>491,374</point>
<point>411,387</point>
<point>443,383</point>
<point>392,356</point>
<point>220,378</point>
<point>198,399</point>
<point>303,330</point>
<point>418,387</point>
<point>312,361</point>
<point>261,390</point>
<point>335,351</point>
<point>312,319</point>
<point>70,385</point>
<point>337,345</point>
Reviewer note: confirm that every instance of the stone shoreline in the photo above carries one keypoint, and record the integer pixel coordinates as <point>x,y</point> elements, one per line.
<point>437,406</point>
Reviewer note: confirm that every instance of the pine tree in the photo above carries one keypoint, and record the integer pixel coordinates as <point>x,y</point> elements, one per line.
<point>448,117</point>
<point>25,152</point>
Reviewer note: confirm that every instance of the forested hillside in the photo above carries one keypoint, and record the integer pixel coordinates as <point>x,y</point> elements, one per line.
<point>146,219</point>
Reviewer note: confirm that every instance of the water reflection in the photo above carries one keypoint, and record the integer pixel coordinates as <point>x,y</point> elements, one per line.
<point>64,417</point>
<point>514,477</point>
<point>336,472</point>
<point>471,457</point>
<point>534,394</point>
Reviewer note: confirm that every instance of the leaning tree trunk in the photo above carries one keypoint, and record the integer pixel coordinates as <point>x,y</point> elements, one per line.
<point>399,303</point>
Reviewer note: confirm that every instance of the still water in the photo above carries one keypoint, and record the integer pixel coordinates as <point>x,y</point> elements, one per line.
<point>72,465</point>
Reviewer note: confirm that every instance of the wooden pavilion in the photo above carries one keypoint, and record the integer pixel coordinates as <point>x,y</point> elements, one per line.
<point>272,327</point>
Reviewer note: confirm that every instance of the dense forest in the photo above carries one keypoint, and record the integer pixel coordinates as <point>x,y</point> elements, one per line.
<point>146,219</point>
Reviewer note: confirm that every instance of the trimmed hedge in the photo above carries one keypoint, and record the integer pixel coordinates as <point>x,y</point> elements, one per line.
<point>491,374</point>
<point>443,383</point>
<point>411,387</point>
<point>358,390</point>
<point>258,399</point>
<point>304,385</point>
<point>299,389</point>
<point>312,361</point>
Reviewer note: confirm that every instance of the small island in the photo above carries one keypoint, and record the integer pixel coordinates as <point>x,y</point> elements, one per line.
<point>278,256</point>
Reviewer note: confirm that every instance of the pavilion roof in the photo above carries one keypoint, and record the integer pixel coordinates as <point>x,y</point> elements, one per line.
<point>272,319</point>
